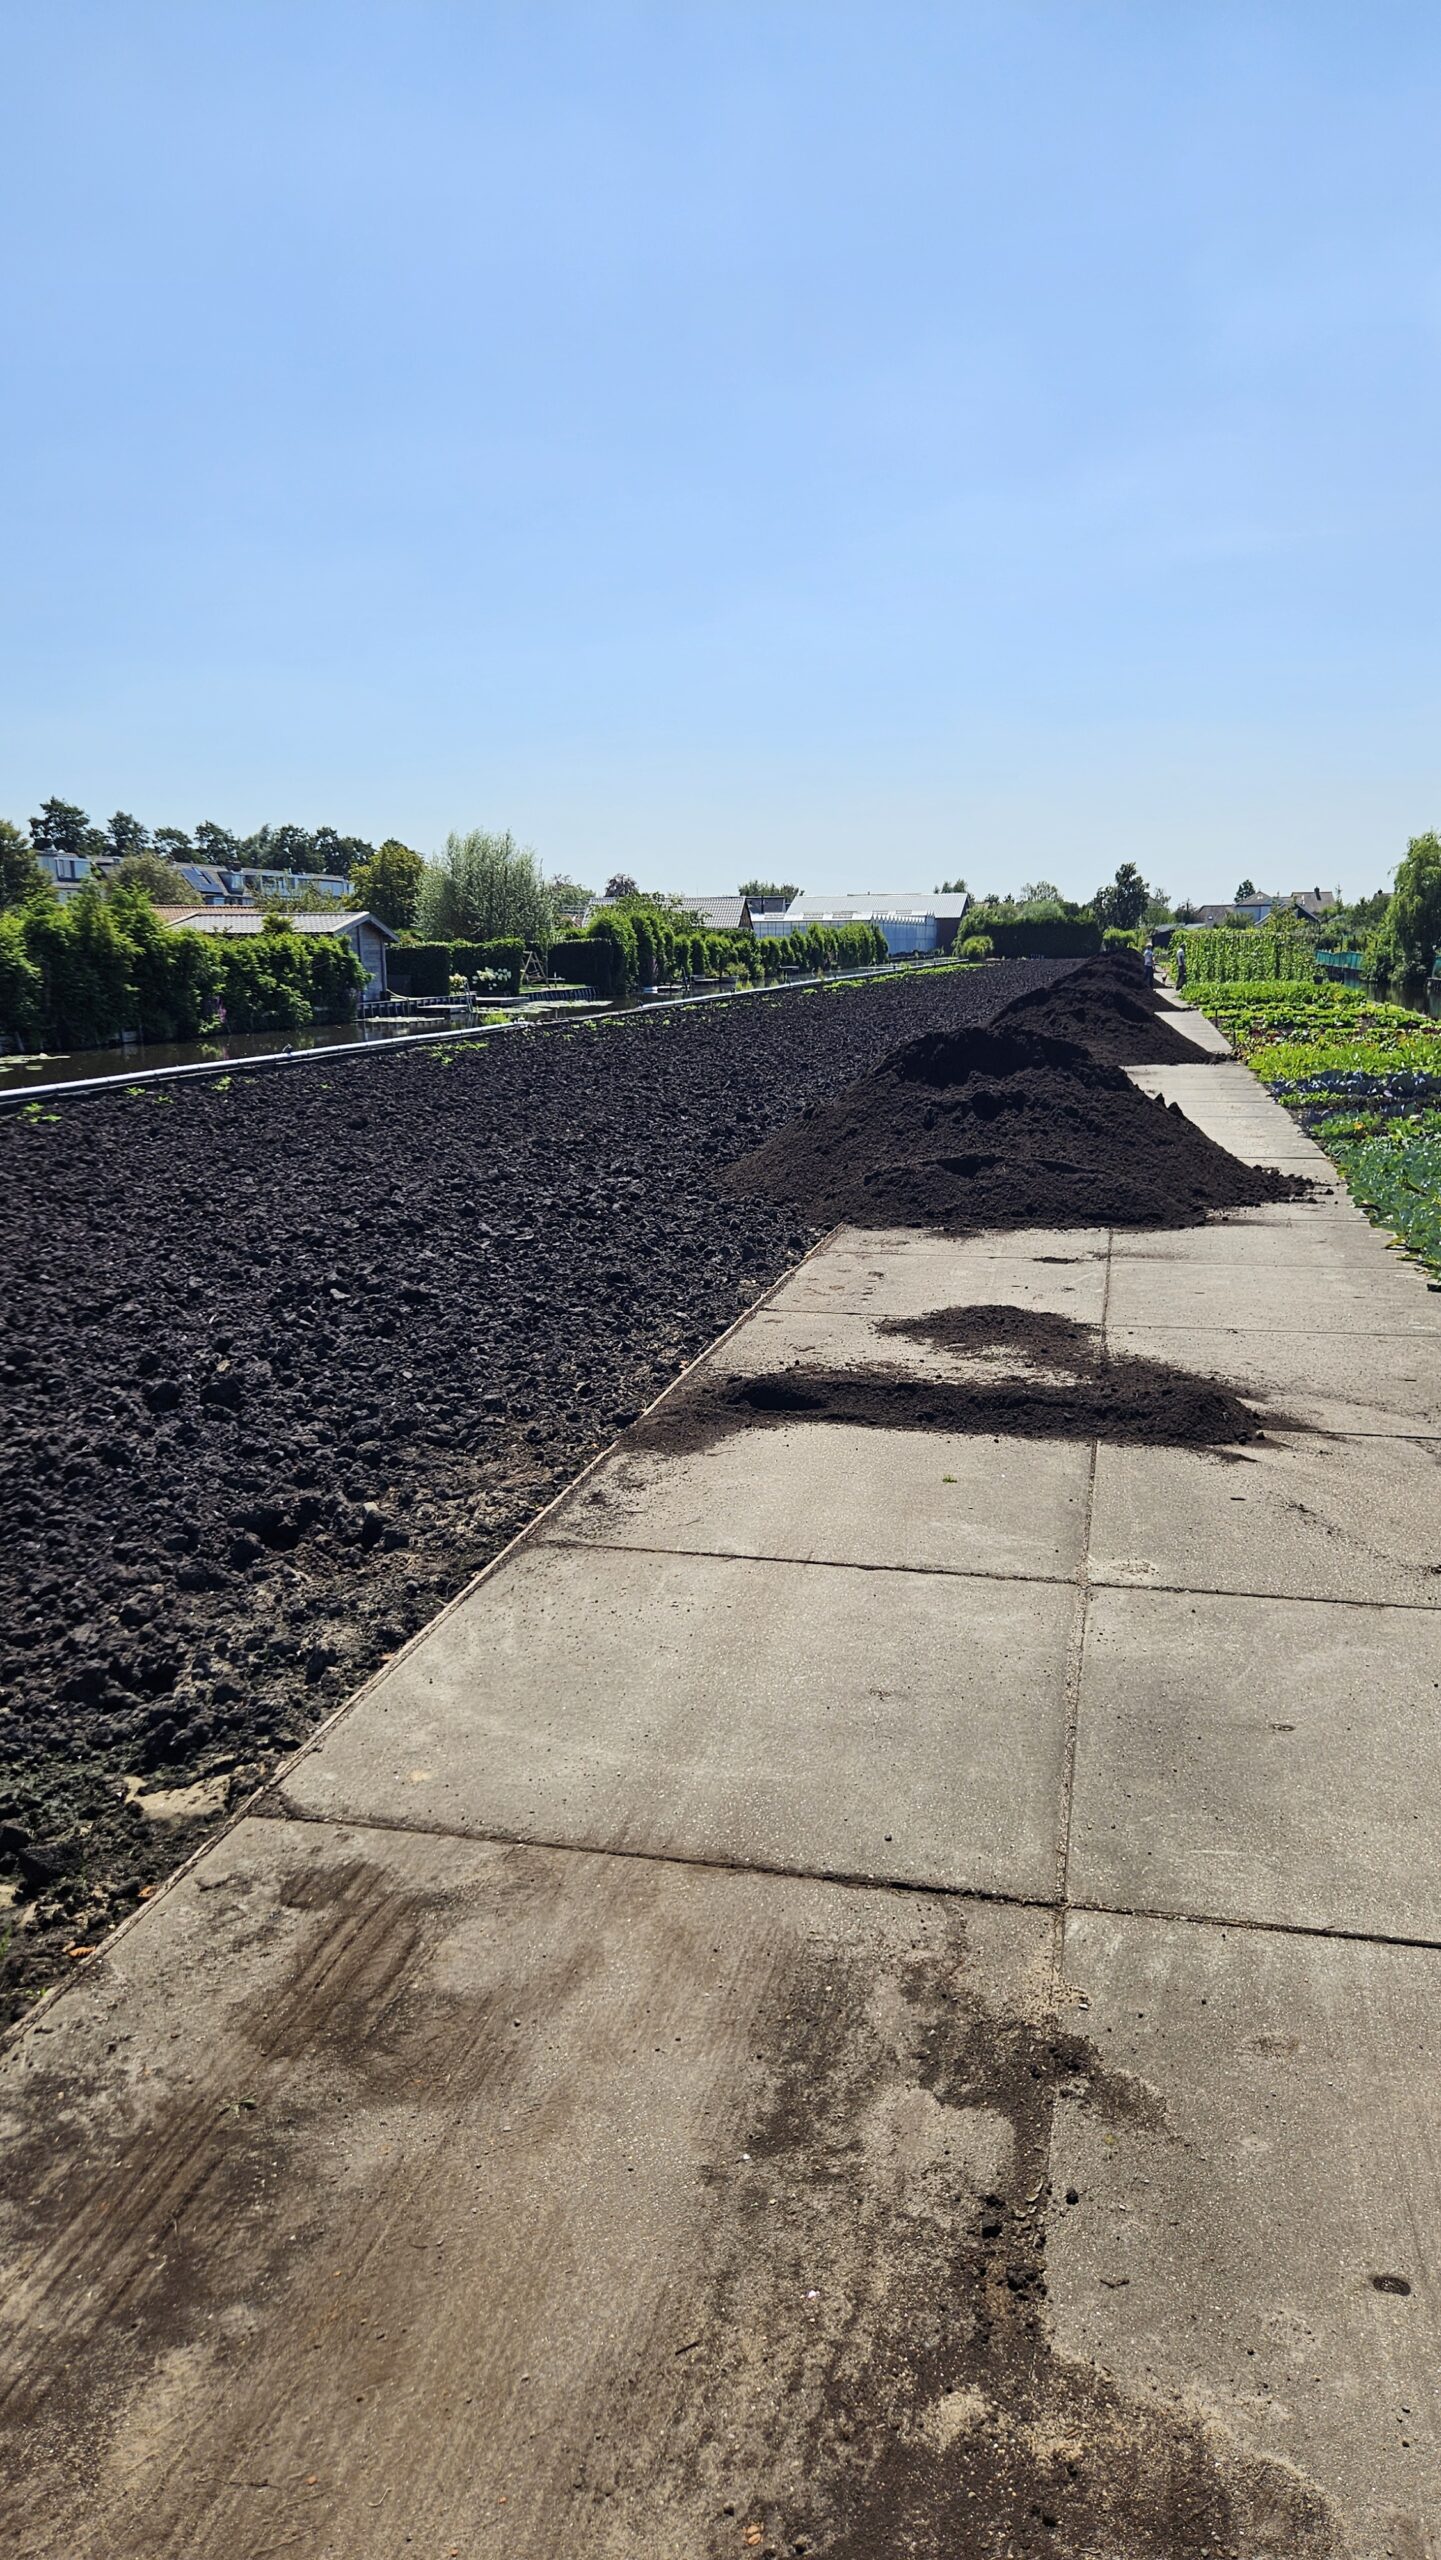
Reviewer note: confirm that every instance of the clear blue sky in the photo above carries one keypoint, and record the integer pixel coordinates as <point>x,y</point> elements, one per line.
<point>865,443</point>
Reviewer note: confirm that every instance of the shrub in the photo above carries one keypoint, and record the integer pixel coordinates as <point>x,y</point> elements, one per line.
<point>977,946</point>
<point>22,988</point>
<point>1117,937</point>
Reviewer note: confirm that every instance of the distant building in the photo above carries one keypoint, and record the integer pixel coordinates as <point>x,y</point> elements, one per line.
<point>218,884</point>
<point>913,922</point>
<point>1259,908</point>
<point>365,933</point>
<point>69,872</point>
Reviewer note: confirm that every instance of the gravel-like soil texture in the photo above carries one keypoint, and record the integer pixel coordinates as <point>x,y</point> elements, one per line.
<point>1088,1393</point>
<point>1101,1009</point>
<point>991,1128</point>
<point>288,1357</point>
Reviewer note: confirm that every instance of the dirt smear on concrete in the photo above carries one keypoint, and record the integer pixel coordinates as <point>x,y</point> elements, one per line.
<point>890,2208</point>
<point>991,1128</point>
<point>1036,1377</point>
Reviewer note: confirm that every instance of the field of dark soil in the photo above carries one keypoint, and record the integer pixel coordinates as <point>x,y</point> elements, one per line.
<point>288,1357</point>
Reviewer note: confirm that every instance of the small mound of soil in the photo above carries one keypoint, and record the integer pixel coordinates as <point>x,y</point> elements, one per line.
<point>1060,1342</point>
<point>1131,1402</point>
<point>984,1129</point>
<point>1113,1016</point>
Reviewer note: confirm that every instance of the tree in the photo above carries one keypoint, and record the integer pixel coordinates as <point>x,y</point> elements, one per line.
<point>1247,889</point>
<point>953,889</point>
<point>387,884</point>
<point>340,854</point>
<point>148,870</point>
<point>569,899</point>
<point>786,889</point>
<point>174,844</point>
<point>483,888</point>
<point>126,835</point>
<point>62,828</point>
<point>1124,901</point>
<point>1185,911</point>
<point>216,844</point>
<point>1410,932</point>
<point>21,877</point>
<point>621,885</point>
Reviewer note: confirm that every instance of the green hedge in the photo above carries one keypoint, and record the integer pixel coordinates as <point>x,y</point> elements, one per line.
<point>77,975</point>
<point>426,968</point>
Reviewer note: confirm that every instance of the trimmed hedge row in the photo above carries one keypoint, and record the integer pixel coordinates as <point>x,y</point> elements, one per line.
<point>77,975</point>
<point>426,968</point>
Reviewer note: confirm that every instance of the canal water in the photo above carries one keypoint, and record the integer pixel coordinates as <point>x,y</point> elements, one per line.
<point>79,1064</point>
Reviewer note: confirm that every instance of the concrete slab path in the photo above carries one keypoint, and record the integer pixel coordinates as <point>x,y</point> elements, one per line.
<point>862,1994</point>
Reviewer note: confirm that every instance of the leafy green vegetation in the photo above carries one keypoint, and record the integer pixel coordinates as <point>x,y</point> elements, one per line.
<point>1216,953</point>
<point>1393,1168</point>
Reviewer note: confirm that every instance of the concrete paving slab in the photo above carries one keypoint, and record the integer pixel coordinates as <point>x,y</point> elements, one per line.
<point>1262,1760</point>
<point>1332,1235</point>
<point>1301,1518</point>
<point>1327,1381</point>
<point>829,1494</point>
<point>1332,1295</point>
<point>1198,1026</point>
<point>819,1338</point>
<point>1063,1273</point>
<point>1263,2248</point>
<point>489,2200</point>
<point>805,1717</point>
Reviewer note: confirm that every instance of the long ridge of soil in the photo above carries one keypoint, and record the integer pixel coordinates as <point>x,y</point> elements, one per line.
<point>991,1128</point>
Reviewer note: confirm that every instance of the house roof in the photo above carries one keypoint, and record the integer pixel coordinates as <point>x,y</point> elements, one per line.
<point>251,920</point>
<point>723,915</point>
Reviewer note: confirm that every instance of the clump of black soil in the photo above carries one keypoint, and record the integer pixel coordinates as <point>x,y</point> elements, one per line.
<point>1068,1388</point>
<point>1112,1015</point>
<point>991,1128</point>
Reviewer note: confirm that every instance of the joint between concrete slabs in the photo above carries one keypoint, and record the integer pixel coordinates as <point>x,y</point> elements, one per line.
<point>1228,1923</point>
<point>821,1564</point>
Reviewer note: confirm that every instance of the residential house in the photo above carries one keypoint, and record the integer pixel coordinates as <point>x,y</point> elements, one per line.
<point>365,932</point>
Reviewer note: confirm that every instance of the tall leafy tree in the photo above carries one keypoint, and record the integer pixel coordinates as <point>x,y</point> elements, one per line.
<point>387,883</point>
<point>621,885</point>
<point>1123,901</point>
<point>1410,933</point>
<point>62,827</point>
<point>174,844</point>
<point>21,877</point>
<point>162,884</point>
<point>568,897</point>
<point>216,844</point>
<point>786,889</point>
<point>480,888</point>
<point>126,835</point>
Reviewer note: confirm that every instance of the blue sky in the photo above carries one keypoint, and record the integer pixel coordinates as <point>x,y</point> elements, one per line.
<point>861,443</point>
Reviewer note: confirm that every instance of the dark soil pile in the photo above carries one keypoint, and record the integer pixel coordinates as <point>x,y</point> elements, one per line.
<point>1112,1015</point>
<point>287,1358</point>
<point>970,1130</point>
<point>1089,1394</point>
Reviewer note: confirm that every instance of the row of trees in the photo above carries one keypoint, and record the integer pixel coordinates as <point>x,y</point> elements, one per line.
<point>63,827</point>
